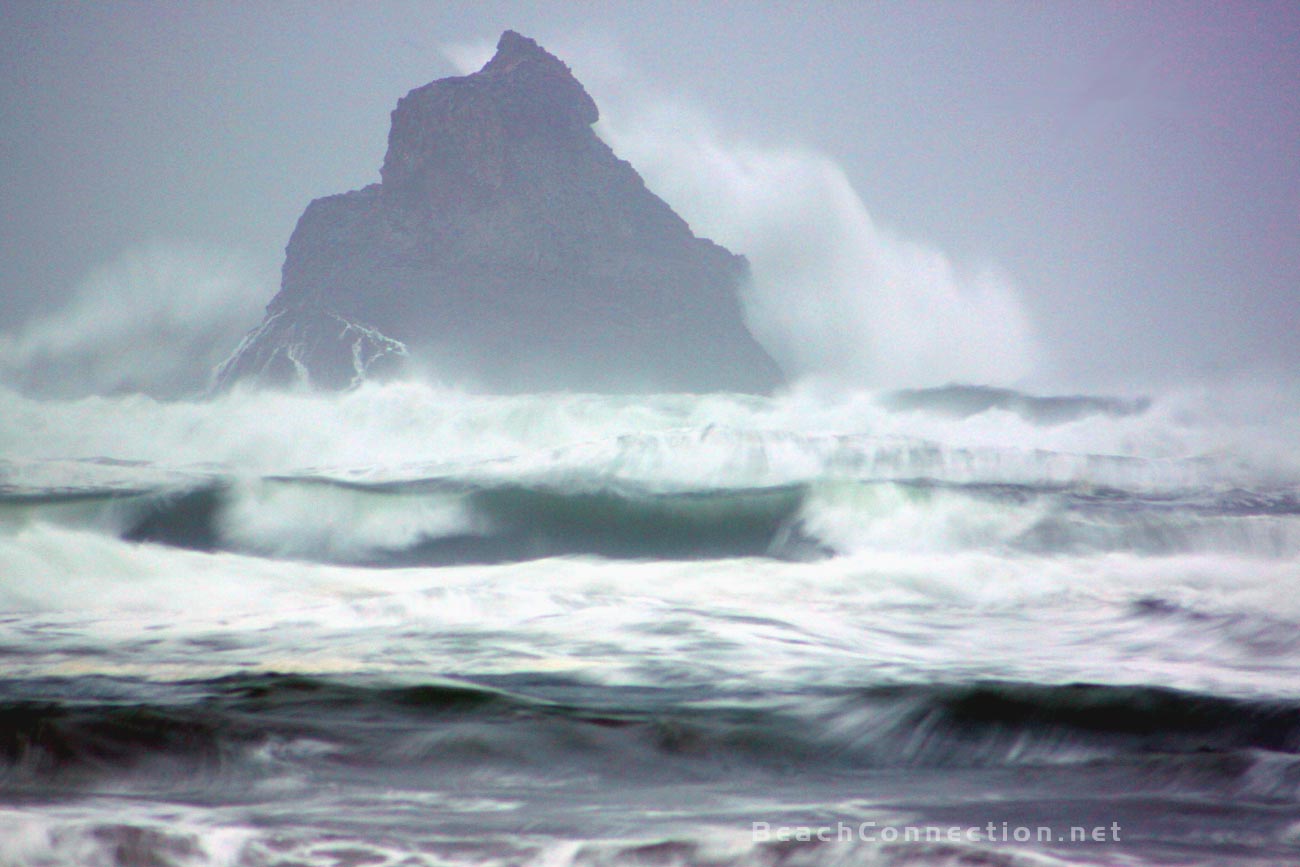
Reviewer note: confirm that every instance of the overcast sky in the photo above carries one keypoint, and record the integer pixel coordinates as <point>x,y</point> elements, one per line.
<point>1132,171</point>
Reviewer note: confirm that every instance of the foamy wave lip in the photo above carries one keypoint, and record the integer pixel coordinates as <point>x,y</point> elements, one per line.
<point>350,477</point>
<point>332,523</point>
<point>407,430</point>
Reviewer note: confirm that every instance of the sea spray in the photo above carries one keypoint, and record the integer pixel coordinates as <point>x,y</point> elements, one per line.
<point>156,320</point>
<point>835,295</point>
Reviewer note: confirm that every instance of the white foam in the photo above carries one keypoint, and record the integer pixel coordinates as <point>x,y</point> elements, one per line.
<point>889,614</point>
<point>855,518</point>
<point>410,429</point>
<point>104,834</point>
<point>330,523</point>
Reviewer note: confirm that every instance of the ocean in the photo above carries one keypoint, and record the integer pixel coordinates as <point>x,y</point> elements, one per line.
<point>408,625</point>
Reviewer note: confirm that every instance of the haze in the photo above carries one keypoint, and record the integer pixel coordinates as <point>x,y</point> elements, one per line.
<point>1044,194</point>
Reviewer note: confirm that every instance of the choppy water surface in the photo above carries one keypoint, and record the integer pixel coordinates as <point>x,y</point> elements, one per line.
<point>408,626</point>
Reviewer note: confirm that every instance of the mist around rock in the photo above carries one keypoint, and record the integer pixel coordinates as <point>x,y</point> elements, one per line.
<point>508,248</point>
<point>543,290</point>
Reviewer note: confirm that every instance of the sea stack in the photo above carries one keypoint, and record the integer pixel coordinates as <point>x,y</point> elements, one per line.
<point>506,249</point>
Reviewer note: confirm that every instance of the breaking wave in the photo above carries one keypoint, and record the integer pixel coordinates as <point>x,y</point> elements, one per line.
<point>427,476</point>
<point>745,595</point>
<point>444,521</point>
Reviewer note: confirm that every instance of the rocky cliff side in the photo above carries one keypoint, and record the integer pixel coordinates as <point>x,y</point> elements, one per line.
<point>508,249</point>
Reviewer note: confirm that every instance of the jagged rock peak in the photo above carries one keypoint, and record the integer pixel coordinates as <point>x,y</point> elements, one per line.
<point>534,68</point>
<point>452,132</point>
<point>506,248</point>
<point>514,46</point>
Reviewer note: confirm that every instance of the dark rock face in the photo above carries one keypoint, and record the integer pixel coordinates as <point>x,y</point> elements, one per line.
<point>509,248</point>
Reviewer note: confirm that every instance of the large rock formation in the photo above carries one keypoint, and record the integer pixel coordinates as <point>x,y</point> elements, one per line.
<point>509,249</point>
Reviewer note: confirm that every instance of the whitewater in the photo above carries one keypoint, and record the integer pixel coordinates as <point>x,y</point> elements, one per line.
<point>412,625</point>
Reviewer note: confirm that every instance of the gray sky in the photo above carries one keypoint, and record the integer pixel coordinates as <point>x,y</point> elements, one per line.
<point>1133,171</point>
